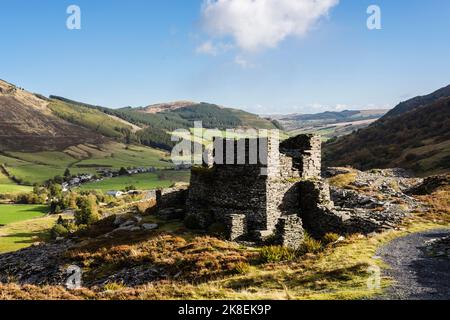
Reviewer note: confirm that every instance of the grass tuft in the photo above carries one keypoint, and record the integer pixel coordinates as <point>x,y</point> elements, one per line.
<point>343,180</point>
<point>274,254</point>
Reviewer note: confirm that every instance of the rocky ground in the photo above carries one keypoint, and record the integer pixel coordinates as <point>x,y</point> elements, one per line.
<point>128,250</point>
<point>376,198</point>
<point>48,263</point>
<point>133,250</point>
<point>38,265</point>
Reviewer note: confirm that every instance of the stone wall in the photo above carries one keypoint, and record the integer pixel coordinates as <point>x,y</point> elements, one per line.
<point>169,203</point>
<point>306,154</point>
<point>225,190</point>
<point>281,199</point>
<point>171,197</point>
<point>236,226</point>
<point>290,232</point>
<point>316,209</point>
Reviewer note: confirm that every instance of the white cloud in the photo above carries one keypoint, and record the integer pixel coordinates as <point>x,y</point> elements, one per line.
<point>213,49</point>
<point>239,60</point>
<point>207,48</point>
<point>341,107</point>
<point>259,24</point>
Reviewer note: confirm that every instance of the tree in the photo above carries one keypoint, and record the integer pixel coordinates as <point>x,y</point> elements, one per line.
<point>123,171</point>
<point>55,191</point>
<point>52,206</point>
<point>87,213</point>
<point>72,201</point>
<point>67,174</point>
<point>130,188</point>
<point>58,179</point>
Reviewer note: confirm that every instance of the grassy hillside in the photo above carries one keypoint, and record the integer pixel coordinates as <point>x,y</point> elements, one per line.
<point>28,125</point>
<point>418,140</point>
<point>8,186</point>
<point>94,120</point>
<point>43,137</point>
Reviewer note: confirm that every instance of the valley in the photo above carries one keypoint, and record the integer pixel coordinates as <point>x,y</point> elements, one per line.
<point>328,124</point>
<point>258,154</point>
<point>131,231</point>
<point>37,167</point>
<point>415,135</point>
<point>36,146</point>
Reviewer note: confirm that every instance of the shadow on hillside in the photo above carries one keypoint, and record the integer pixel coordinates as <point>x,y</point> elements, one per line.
<point>28,237</point>
<point>43,210</point>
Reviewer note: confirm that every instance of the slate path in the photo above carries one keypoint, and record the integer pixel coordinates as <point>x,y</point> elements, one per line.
<point>417,275</point>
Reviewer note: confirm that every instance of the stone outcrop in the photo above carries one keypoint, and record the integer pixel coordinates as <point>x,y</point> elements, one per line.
<point>430,185</point>
<point>38,265</point>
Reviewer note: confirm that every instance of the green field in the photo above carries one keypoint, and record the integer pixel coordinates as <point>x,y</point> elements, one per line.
<point>131,156</point>
<point>23,234</point>
<point>144,181</point>
<point>38,167</point>
<point>9,187</point>
<point>23,225</point>
<point>15,213</point>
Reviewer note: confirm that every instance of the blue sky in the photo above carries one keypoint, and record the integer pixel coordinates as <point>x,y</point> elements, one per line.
<point>140,52</point>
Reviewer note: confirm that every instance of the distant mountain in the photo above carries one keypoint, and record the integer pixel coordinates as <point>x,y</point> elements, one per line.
<point>417,102</point>
<point>346,115</point>
<point>208,114</point>
<point>329,124</point>
<point>165,107</point>
<point>415,136</point>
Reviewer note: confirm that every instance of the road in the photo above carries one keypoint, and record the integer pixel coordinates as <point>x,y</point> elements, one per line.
<point>417,276</point>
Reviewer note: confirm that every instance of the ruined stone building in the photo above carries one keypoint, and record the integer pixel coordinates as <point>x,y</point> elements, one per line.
<point>255,199</point>
<point>275,192</point>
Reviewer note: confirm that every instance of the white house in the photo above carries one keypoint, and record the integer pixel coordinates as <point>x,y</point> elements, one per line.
<point>115,194</point>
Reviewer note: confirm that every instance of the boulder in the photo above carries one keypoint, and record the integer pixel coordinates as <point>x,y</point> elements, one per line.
<point>150,226</point>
